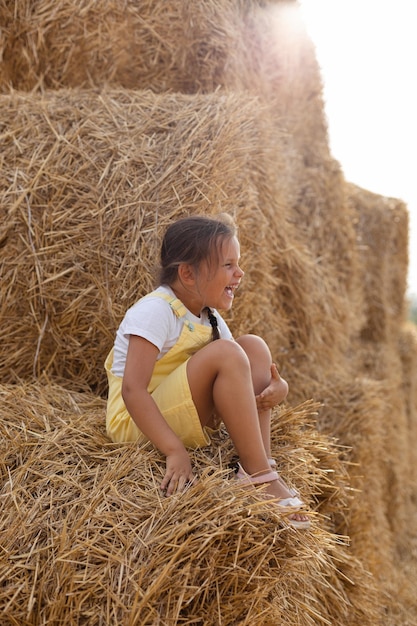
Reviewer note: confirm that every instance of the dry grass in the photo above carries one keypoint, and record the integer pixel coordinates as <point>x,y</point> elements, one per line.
<point>159,112</point>
<point>382,227</point>
<point>197,47</point>
<point>86,535</point>
<point>89,182</point>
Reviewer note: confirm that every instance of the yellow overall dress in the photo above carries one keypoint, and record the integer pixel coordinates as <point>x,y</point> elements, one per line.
<point>168,386</point>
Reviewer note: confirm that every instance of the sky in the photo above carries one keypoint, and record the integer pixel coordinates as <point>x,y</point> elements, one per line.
<point>367,52</point>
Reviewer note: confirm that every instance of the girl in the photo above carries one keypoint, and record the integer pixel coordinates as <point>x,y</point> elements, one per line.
<point>174,366</point>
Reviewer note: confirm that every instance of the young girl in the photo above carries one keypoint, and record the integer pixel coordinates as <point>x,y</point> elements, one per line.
<point>175,367</point>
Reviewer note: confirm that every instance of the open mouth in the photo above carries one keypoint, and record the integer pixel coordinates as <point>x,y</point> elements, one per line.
<point>230,289</point>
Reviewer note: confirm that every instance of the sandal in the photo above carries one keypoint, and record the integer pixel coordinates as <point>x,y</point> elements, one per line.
<point>286,504</point>
<point>294,493</point>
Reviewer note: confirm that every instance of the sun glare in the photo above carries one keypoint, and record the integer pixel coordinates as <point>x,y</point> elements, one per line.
<point>367,52</point>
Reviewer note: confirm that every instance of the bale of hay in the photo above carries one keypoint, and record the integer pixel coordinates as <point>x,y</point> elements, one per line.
<point>89,182</point>
<point>368,420</point>
<point>258,46</point>
<point>407,348</point>
<point>86,536</point>
<point>408,352</point>
<point>353,413</point>
<point>382,228</point>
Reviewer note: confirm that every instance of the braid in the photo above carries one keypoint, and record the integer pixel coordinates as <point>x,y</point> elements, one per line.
<point>213,322</point>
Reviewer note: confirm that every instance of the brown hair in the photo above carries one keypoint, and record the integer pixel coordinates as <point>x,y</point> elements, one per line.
<point>192,240</point>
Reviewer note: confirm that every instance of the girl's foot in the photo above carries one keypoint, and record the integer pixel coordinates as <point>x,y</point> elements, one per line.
<point>273,465</point>
<point>277,489</point>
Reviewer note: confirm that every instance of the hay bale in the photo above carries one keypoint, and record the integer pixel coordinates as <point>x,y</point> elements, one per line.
<point>368,420</point>
<point>260,48</point>
<point>86,536</point>
<point>384,364</point>
<point>88,183</point>
<point>407,349</point>
<point>353,413</point>
<point>256,47</point>
<point>382,228</point>
<point>186,48</point>
<point>408,352</point>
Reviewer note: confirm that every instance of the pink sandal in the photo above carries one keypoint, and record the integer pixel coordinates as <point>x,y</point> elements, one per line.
<point>286,504</point>
<point>273,465</point>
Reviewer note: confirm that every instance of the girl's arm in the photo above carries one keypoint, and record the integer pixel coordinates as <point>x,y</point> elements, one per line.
<point>140,362</point>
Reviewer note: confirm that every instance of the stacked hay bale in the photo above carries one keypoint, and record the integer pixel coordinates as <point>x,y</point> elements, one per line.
<point>84,214</point>
<point>95,181</point>
<point>188,108</point>
<point>382,225</point>
<point>86,537</point>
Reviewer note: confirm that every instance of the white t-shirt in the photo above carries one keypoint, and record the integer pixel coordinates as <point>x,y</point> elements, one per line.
<point>153,319</point>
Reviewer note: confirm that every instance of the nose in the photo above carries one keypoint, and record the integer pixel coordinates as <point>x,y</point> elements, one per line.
<point>239,272</point>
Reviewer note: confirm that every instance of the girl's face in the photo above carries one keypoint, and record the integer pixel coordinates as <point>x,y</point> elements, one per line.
<point>217,281</point>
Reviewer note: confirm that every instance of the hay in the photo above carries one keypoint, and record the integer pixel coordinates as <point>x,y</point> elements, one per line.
<point>369,418</point>
<point>89,182</point>
<point>88,185</point>
<point>386,365</point>
<point>408,353</point>
<point>87,537</point>
<point>193,48</point>
<point>382,226</point>
<point>260,48</point>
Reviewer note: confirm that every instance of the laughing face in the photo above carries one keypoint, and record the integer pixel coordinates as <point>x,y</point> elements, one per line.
<point>217,281</point>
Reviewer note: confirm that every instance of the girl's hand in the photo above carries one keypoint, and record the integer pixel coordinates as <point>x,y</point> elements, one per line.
<point>178,473</point>
<point>275,393</point>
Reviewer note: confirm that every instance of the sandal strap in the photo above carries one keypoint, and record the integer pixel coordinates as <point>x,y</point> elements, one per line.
<point>294,503</point>
<point>294,492</point>
<point>243,477</point>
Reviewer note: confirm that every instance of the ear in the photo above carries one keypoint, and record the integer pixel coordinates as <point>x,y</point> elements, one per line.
<point>186,273</point>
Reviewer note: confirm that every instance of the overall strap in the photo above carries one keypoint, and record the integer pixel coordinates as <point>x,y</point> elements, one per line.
<point>176,305</point>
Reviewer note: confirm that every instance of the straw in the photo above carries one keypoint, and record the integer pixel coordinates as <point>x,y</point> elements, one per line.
<point>86,534</point>
<point>136,114</point>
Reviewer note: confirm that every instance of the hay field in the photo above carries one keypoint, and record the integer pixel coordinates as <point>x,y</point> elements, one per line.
<point>115,119</point>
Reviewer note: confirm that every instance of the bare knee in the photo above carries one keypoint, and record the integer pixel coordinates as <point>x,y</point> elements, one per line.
<point>256,349</point>
<point>231,351</point>
<point>221,360</point>
<point>220,354</point>
<point>260,360</point>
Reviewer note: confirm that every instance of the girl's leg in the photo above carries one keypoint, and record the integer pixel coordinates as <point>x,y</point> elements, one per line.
<point>220,379</point>
<point>260,361</point>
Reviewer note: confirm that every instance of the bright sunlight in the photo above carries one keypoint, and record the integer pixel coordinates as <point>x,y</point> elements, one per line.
<point>367,51</point>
